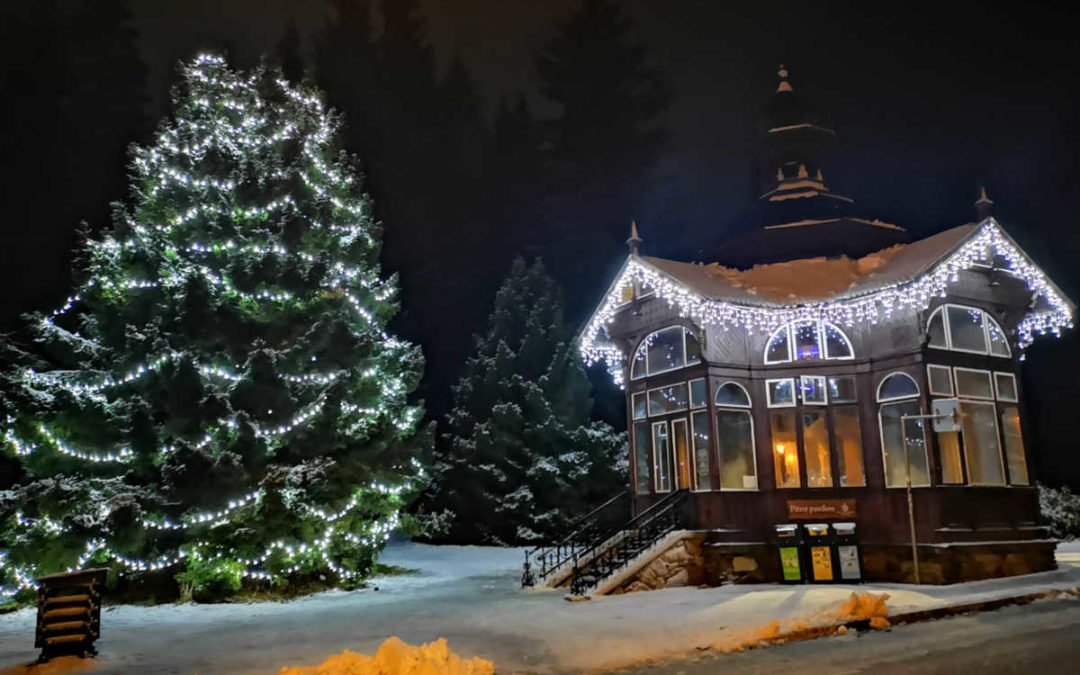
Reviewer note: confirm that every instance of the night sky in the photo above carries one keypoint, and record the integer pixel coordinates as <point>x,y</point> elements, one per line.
<point>927,99</point>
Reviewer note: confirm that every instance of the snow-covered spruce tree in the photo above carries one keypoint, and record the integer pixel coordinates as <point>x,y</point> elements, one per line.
<point>219,399</point>
<point>521,457</point>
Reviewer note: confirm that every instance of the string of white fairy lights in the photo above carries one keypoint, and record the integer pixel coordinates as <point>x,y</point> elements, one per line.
<point>373,534</point>
<point>152,160</point>
<point>871,307</point>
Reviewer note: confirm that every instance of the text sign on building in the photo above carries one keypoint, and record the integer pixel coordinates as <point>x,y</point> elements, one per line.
<point>816,509</point>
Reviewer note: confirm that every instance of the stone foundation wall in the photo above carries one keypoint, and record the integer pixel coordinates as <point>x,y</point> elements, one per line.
<point>954,564</point>
<point>680,565</point>
<point>740,563</point>
<point>695,561</point>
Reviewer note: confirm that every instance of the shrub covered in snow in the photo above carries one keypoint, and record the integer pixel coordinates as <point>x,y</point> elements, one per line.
<point>1061,508</point>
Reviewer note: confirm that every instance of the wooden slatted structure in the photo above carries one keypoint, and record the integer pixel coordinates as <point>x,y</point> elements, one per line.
<point>69,612</point>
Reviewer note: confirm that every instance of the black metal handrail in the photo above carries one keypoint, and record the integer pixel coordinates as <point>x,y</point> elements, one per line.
<point>605,555</point>
<point>542,560</point>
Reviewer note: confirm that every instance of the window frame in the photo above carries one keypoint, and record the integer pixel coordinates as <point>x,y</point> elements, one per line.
<point>987,318</point>
<point>749,401</point>
<point>656,456</point>
<point>690,393</point>
<point>819,328</point>
<point>990,379</point>
<point>823,381</point>
<point>648,399</point>
<point>881,383</point>
<point>917,400</point>
<point>753,450</point>
<point>1015,387</point>
<point>641,345</point>
<point>794,393</point>
<point>998,438</point>
<point>930,380</point>
<point>694,448</point>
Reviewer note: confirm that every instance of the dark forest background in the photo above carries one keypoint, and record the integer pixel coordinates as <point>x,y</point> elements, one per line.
<point>488,130</point>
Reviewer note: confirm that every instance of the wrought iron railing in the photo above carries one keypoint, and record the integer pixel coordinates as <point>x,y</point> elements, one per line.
<point>542,561</point>
<point>609,553</point>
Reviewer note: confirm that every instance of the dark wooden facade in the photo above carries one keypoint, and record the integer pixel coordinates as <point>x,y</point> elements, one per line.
<point>944,513</point>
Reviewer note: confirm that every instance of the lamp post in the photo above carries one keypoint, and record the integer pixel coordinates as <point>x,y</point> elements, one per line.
<point>946,417</point>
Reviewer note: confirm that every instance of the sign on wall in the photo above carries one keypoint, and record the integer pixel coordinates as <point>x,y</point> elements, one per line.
<point>818,509</point>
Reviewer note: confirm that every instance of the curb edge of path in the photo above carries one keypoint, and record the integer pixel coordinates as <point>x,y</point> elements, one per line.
<point>918,616</point>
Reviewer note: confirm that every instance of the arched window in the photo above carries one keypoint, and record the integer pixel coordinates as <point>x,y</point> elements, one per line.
<point>808,340</point>
<point>664,350</point>
<point>733,395</point>
<point>966,329</point>
<point>897,386</point>
<point>898,394</point>
<point>735,438</point>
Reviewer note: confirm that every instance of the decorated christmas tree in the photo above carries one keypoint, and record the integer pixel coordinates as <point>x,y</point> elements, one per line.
<point>219,400</point>
<point>521,457</point>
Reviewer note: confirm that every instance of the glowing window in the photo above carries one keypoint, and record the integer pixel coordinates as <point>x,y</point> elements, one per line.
<point>807,340</point>
<point>665,350</point>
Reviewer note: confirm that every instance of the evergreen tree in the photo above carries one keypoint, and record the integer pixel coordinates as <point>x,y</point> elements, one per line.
<point>521,457</point>
<point>220,394</point>
<point>604,141</point>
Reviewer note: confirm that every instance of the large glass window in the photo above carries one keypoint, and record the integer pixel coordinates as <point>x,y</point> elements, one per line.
<point>665,350</point>
<point>732,394</point>
<point>940,379</point>
<point>1006,387</point>
<point>698,396</point>
<point>966,329</point>
<point>668,399</point>
<point>849,457</point>
<point>781,393</point>
<point>785,448</point>
<point>641,457</point>
<point>807,340</point>
<point>893,445</point>
<point>735,444</point>
<point>812,390</point>
<point>661,457</point>
<point>897,386</point>
<point>975,455</point>
<point>816,449</point>
<point>952,468</point>
<point>974,383</point>
<point>981,449</point>
<point>1014,445</point>
<point>702,475</point>
<point>842,389</point>
<point>639,404</point>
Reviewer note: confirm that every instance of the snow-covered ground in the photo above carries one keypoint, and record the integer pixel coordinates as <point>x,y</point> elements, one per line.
<point>471,596</point>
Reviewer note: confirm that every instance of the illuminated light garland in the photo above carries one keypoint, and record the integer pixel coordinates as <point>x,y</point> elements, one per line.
<point>182,145</point>
<point>124,455</point>
<point>872,307</point>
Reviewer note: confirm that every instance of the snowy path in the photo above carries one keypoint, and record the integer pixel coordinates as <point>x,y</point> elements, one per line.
<point>470,596</point>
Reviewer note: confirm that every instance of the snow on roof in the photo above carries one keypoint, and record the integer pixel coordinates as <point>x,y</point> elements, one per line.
<point>814,279</point>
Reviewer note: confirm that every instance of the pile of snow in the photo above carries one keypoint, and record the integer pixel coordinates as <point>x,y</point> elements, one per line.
<point>858,607</point>
<point>395,657</point>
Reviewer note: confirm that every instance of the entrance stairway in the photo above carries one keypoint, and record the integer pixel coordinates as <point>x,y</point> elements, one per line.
<point>597,548</point>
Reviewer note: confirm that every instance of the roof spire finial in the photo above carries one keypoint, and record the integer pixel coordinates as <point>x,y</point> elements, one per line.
<point>784,84</point>
<point>634,241</point>
<point>984,206</point>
